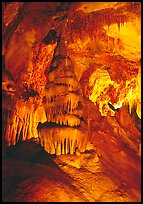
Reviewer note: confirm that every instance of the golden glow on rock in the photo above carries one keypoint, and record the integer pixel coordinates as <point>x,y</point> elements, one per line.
<point>127,38</point>
<point>88,7</point>
<point>30,37</point>
<point>129,93</point>
<point>62,140</point>
<point>101,80</point>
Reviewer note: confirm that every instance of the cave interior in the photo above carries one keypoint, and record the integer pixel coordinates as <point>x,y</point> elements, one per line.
<point>71,101</point>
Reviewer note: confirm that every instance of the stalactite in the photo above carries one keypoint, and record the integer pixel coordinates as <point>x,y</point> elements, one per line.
<point>14,130</point>
<point>7,138</point>
<point>64,139</point>
<point>22,122</point>
<point>29,136</point>
<point>52,76</point>
<point>63,104</point>
<point>118,24</point>
<point>62,147</point>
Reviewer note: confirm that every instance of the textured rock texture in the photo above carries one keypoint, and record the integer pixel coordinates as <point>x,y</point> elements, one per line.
<point>71,79</point>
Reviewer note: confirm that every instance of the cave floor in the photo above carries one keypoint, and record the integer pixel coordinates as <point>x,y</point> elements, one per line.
<point>82,177</point>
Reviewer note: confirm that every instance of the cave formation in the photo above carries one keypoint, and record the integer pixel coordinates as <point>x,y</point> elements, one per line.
<point>71,101</point>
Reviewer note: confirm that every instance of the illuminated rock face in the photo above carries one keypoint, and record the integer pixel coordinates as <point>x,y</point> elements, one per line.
<point>22,97</point>
<point>102,41</point>
<point>63,104</point>
<point>62,140</point>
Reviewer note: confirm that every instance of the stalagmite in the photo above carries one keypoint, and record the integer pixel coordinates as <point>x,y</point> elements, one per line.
<point>62,104</point>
